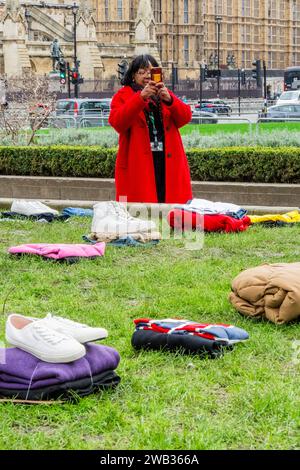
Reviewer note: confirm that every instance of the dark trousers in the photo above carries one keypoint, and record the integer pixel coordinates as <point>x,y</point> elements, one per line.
<point>160,175</point>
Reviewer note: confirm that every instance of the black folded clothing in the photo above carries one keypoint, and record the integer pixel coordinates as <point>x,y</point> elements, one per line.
<point>190,344</point>
<point>68,390</point>
<point>46,216</point>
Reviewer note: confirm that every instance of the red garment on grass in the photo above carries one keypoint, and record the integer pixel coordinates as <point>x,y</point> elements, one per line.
<point>134,172</point>
<point>188,220</point>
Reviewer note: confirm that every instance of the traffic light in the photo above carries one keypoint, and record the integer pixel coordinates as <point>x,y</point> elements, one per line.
<point>256,71</point>
<point>122,69</point>
<point>203,70</point>
<point>243,76</point>
<point>62,72</point>
<point>75,77</point>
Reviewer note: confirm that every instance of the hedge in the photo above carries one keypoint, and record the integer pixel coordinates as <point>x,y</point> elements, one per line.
<point>240,164</point>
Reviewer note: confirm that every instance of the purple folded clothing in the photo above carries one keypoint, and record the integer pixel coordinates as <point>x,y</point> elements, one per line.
<point>59,250</point>
<point>21,370</point>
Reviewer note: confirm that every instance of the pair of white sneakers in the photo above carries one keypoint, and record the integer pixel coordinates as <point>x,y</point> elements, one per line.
<point>51,339</point>
<point>112,218</point>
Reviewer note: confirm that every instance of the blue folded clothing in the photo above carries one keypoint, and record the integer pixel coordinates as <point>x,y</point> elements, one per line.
<point>130,241</point>
<point>78,212</point>
<point>122,241</point>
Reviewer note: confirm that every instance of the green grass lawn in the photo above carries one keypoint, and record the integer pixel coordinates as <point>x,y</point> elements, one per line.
<point>248,399</point>
<point>208,129</point>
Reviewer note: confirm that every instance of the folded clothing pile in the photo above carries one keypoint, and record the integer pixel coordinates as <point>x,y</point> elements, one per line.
<point>33,210</point>
<point>53,357</point>
<point>208,216</point>
<point>112,222</point>
<point>59,251</point>
<point>24,376</point>
<point>270,291</point>
<point>191,337</point>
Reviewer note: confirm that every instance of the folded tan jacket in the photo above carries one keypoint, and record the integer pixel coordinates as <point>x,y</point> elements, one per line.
<point>271,291</point>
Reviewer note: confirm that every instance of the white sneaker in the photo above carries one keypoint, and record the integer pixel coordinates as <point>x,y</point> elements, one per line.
<point>23,207</point>
<point>45,343</point>
<point>111,217</point>
<point>79,331</point>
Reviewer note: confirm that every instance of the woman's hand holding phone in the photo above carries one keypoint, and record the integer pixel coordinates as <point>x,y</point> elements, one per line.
<point>149,90</point>
<point>163,93</point>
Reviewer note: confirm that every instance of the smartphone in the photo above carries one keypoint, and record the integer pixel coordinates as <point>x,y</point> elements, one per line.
<point>156,74</point>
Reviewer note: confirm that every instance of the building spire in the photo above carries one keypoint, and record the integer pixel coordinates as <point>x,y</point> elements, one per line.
<point>145,32</point>
<point>145,13</point>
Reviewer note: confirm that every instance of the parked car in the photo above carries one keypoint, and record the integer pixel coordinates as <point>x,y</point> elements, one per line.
<point>289,97</point>
<point>215,106</point>
<point>82,112</point>
<point>202,117</point>
<point>281,113</point>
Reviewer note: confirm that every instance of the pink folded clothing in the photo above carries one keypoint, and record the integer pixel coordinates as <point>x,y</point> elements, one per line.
<point>59,250</point>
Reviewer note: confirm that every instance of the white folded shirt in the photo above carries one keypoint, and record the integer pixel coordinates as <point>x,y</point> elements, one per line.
<point>204,206</point>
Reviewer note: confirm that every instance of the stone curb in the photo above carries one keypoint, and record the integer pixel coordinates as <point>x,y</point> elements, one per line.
<point>83,192</point>
<point>136,207</point>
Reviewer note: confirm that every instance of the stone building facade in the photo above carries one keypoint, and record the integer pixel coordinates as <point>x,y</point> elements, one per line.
<point>180,32</point>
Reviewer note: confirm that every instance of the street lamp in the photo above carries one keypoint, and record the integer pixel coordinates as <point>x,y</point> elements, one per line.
<point>218,22</point>
<point>75,11</point>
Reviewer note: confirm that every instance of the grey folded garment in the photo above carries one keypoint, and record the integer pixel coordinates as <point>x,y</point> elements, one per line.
<point>66,390</point>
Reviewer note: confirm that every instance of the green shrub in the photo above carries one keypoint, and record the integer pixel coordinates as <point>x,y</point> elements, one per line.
<point>246,164</point>
<point>66,161</point>
<point>240,164</point>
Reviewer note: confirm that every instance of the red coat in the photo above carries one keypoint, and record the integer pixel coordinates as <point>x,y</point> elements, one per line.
<point>134,172</point>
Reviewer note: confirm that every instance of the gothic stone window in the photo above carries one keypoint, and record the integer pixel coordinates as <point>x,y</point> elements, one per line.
<point>229,32</point>
<point>120,9</point>
<point>218,7</point>
<point>296,10</point>
<point>197,12</point>
<point>245,7</point>
<point>186,49</point>
<point>186,11</point>
<point>156,6</point>
<point>131,10</point>
<point>229,7</point>
<point>256,8</point>
<point>106,10</point>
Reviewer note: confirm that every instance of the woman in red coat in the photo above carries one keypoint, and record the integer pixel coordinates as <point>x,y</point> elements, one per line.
<point>151,164</point>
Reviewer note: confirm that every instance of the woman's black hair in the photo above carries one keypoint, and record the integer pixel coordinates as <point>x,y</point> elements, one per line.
<point>140,62</point>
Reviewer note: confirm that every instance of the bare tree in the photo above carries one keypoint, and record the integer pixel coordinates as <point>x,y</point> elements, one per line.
<point>28,105</point>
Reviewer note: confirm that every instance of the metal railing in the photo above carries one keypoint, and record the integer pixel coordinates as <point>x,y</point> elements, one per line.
<point>223,118</point>
<point>85,120</point>
<point>278,119</point>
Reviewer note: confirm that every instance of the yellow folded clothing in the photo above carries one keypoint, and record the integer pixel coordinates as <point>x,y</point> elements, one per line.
<point>289,217</point>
